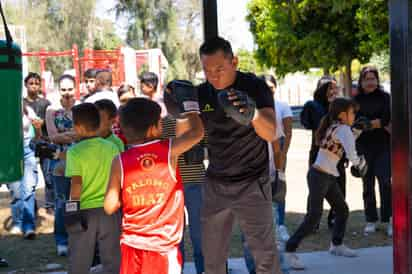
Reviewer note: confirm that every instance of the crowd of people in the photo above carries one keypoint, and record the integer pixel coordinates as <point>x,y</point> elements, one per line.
<point>114,163</point>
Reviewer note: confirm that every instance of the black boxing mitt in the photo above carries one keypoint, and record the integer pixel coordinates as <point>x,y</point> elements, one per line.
<point>180,96</point>
<point>362,123</point>
<point>232,106</point>
<point>360,169</point>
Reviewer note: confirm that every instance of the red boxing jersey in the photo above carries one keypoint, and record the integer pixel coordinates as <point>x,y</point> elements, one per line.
<point>152,198</point>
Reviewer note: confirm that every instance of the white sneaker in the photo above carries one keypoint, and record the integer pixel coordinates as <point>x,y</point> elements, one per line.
<point>342,250</point>
<point>293,260</point>
<point>97,269</point>
<point>369,228</point>
<point>62,250</point>
<point>389,229</point>
<point>282,233</point>
<point>15,230</point>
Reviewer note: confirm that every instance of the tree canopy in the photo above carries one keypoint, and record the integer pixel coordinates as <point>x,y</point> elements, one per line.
<point>297,35</point>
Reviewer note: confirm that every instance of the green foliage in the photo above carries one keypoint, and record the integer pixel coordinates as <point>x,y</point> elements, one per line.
<point>298,35</point>
<point>166,24</point>
<point>248,62</point>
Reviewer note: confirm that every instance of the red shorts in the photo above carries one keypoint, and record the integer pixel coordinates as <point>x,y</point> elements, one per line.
<point>137,261</point>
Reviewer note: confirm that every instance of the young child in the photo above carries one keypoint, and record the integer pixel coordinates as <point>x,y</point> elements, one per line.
<point>145,182</point>
<point>88,164</point>
<point>108,113</point>
<point>334,137</point>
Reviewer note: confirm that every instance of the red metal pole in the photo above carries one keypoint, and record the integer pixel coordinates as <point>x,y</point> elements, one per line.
<point>75,55</point>
<point>121,67</point>
<point>43,60</point>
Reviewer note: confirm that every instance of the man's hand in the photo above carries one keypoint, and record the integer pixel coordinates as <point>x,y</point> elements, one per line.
<point>181,97</point>
<point>237,105</point>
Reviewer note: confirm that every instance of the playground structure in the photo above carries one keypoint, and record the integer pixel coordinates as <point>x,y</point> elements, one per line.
<point>125,63</point>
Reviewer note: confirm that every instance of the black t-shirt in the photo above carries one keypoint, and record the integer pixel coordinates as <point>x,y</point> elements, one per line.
<point>236,152</point>
<point>375,105</point>
<point>39,107</point>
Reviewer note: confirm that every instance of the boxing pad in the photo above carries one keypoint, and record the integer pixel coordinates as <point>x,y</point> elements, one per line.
<point>360,169</point>
<point>74,221</point>
<point>362,123</point>
<point>11,141</point>
<point>232,107</point>
<point>180,97</point>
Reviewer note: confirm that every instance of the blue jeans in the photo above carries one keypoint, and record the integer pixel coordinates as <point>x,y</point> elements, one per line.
<point>193,203</point>
<point>23,194</point>
<point>250,262</point>
<point>62,189</point>
<point>280,220</point>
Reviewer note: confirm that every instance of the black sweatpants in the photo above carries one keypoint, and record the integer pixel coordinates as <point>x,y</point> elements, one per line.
<point>341,181</point>
<point>103,229</point>
<point>321,185</point>
<point>379,166</point>
<point>251,204</point>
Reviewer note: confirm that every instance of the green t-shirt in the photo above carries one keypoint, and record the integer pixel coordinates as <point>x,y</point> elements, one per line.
<point>116,140</point>
<point>92,160</point>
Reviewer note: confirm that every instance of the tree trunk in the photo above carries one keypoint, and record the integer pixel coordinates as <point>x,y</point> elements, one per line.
<point>347,85</point>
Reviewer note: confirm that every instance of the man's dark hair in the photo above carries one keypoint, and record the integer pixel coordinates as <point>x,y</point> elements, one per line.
<point>107,106</point>
<point>104,78</point>
<point>213,45</point>
<point>32,75</point>
<point>66,76</point>
<point>149,78</point>
<point>137,116</point>
<point>90,73</point>
<point>86,115</point>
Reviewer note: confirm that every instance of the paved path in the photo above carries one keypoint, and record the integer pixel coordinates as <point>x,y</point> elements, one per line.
<point>376,260</point>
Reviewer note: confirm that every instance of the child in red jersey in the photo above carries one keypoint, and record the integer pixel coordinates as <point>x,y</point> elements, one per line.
<point>146,183</point>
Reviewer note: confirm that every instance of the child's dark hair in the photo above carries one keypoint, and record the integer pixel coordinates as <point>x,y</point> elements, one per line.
<point>137,116</point>
<point>86,115</point>
<point>150,79</point>
<point>107,106</point>
<point>213,45</point>
<point>338,106</point>
<point>32,75</point>
<point>90,73</point>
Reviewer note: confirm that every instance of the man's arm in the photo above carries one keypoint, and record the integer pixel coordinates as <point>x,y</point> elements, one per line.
<point>264,123</point>
<point>189,132</point>
<point>112,201</point>
<point>287,125</point>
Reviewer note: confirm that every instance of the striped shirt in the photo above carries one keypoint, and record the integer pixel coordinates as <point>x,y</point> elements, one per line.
<point>194,173</point>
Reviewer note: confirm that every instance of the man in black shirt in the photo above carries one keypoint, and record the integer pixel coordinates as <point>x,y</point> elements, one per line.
<point>237,183</point>
<point>32,83</point>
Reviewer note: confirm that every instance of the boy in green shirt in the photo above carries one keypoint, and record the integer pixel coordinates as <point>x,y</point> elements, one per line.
<point>108,112</point>
<point>88,164</point>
